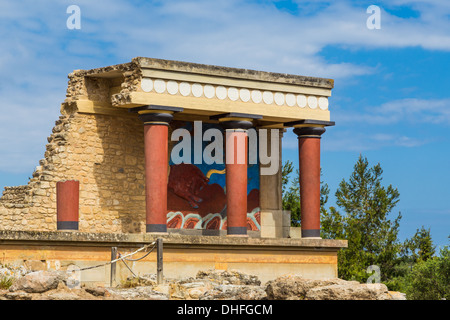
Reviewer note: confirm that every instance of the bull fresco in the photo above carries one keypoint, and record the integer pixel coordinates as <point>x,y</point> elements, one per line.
<point>196,197</point>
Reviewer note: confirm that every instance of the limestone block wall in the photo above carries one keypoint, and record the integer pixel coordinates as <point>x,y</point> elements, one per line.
<point>106,154</point>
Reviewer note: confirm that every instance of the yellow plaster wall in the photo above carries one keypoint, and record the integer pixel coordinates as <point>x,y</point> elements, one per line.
<point>178,262</point>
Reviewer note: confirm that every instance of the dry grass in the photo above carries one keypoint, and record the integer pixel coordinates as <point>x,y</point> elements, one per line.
<point>6,282</point>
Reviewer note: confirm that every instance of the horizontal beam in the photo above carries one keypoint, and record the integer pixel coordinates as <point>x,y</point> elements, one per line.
<point>239,83</point>
<point>136,240</point>
<point>210,107</point>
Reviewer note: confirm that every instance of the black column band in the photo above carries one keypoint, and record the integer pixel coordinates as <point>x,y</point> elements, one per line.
<point>311,233</point>
<point>237,230</point>
<point>67,225</point>
<point>156,113</point>
<point>236,124</point>
<point>156,228</point>
<point>156,117</point>
<point>234,120</point>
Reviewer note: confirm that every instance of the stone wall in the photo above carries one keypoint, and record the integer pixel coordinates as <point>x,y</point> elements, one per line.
<point>105,153</point>
<point>16,196</point>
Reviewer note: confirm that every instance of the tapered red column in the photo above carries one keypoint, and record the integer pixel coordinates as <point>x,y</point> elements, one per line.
<point>67,204</point>
<point>236,160</point>
<point>156,160</point>
<point>156,120</point>
<point>236,181</point>
<point>309,167</point>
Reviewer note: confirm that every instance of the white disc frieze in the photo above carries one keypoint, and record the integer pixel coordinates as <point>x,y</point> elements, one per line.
<point>244,94</point>
<point>221,92</point>
<point>185,89</point>
<point>256,96</point>
<point>172,87</point>
<point>323,103</point>
<point>301,101</point>
<point>279,98</point>
<point>147,85</point>
<point>209,91</point>
<point>197,90</point>
<point>268,97</point>
<point>160,86</point>
<point>290,100</point>
<point>312,102</point>
<point>233,94</point>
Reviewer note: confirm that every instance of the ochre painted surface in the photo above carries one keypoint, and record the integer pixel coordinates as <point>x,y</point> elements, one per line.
<point>178,262</point>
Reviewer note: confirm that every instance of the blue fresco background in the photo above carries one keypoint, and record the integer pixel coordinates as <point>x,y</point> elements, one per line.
<point>252,171</point>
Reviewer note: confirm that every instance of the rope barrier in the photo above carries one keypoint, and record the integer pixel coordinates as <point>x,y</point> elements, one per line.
<point>132,260</point>
<point>129,269</point>
<point>123,257</point>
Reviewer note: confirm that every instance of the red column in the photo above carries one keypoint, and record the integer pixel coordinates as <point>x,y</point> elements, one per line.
<point>67,204</point>
<point>236,141</point>
<point>156,164</point>
<point>156,120</point>
<point>236,181</point>
<point>309,167</point>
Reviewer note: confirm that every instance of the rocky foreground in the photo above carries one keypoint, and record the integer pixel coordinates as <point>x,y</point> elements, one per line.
<point>207,285</point>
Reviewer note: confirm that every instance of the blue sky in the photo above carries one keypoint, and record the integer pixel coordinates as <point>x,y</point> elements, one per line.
<point>391,101</point>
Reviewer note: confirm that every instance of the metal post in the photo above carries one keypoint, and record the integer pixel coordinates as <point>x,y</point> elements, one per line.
<point>113,267</point>
<point>159,261</point>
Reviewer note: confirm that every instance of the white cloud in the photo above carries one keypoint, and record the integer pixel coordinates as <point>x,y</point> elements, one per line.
<point>349,140</point>
<point>357,140</point>
<point>409,110</point>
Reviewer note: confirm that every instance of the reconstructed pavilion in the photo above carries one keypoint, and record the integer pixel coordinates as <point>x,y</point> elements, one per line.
<point>108,174</point>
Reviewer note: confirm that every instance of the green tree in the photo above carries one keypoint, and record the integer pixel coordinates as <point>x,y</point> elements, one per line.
<point>420,247</point>
<point>364,222</point>
<point>430,279</point>
<point>291,193</point>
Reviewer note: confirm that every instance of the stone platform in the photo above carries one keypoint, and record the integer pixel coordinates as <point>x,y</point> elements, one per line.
<point>184,255</point>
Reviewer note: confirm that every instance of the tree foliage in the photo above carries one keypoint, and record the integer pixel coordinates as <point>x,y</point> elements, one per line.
<point>430,279</point>
<point>291,193</point>
<point>417,249</point>
<point>420,247</point>
<point>365,222</point>
<point>363,217</point>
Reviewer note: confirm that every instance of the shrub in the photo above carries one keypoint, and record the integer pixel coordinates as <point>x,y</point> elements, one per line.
<point>430,280</point>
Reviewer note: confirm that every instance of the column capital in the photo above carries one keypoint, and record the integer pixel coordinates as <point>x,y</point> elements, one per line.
<point>235,120</point>
<point>309,132</point>
<point>309,128</point>
<point>156,114</point>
